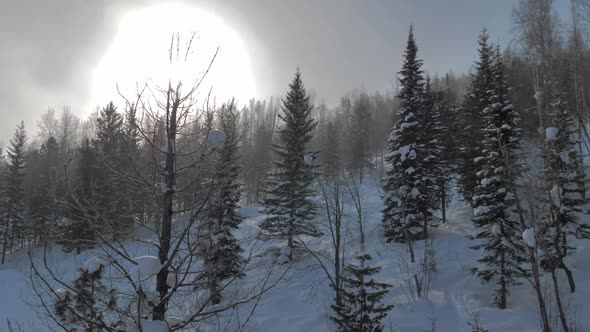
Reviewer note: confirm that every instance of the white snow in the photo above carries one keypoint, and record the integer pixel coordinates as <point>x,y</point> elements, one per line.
<point>162,187</point>
<point>407,125</point>
<point>403,152</point>
<point>282,259</point>
<point>284,255</point>
<point>538,95</point>
<point>152,296</point>
<point>174,320</point>
<point>61,293</point>
<point>573,196</point>
<point>555,194</point>
<point>486,181</point>
<point>285,250</point>
<point>308,159</point>
<point>215,139</point>
<point>551,133</point>
<point>564,156</point>
<point>481,210</point>
<point>148,266</point>
<point>299,302</point>
<point>154,326</point>
<point>172,279</point>
<point>93,264</point>
<point>529,237</point>
<point>496,229</point>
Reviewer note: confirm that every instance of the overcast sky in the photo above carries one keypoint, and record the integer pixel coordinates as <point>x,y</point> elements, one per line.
<point>49,48</point>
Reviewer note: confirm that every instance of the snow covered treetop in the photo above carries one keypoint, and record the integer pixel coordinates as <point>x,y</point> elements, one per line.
<point>551,133</point>
<point>92,265</point>
<point>215,139</point>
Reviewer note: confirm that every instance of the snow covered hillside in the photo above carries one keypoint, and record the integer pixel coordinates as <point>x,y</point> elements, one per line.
<point>300,302</point>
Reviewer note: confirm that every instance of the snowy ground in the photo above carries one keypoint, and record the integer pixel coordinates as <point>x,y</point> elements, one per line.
<point>301,301</point>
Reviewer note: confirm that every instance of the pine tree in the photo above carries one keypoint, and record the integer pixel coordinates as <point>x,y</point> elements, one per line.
<point>471,117</point>
<point>287,205</point>
<point>362,310</point>
<point>88,305</point>
<point>406,206</point>
<point>14,211</point>
<point>494,201</point>
<point>220,250</point>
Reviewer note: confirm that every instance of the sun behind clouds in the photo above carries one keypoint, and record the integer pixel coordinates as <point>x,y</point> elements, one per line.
<point>139,53</point>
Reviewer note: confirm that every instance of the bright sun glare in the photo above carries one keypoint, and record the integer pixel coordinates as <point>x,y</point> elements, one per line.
<point>139,53</point>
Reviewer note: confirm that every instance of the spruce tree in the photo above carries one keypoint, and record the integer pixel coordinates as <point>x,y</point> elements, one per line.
<point>220,250</point>
<point>360,134</point>
<point>89,305</point>
<point>431,139</point>
<point>471,117</point>
<point>14,209</point>
<point>331,150</point>
<point>133,197</point>
<point>406,204</point>
<point>565,187</point>
<point>78,230</point>
<point>112,188</point>
<point>288,206</point>
<point>497,230</point>
<point>448,157</point>
<point>362,309</point>
<point>43,203</point>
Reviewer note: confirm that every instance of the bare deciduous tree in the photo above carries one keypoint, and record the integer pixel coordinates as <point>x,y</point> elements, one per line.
<point>163,288</point>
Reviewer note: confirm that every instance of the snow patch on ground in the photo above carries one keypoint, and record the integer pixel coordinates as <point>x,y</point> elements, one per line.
<point>93,264</point>
<point>301,302</point>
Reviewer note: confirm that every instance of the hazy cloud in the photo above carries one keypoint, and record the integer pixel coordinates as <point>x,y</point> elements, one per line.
<point>48,48</point>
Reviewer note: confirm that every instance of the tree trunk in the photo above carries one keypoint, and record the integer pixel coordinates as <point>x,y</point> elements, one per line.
<point>539,291</point>
<point>337,272</point>
<point>410,247</point>
<point>361,173</point>
<point>570,277</point>
<point>562,318</point>
<point>5,245</point>
<point>443,205</point>
<point>503,286</point>
<point>214,291</point>
<point>418,286</point>
<point>534,265</point>
<point>167,208</point>
<point>290,239</point>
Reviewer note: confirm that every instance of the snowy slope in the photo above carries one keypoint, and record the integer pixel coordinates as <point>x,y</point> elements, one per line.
<point>301,301</point>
